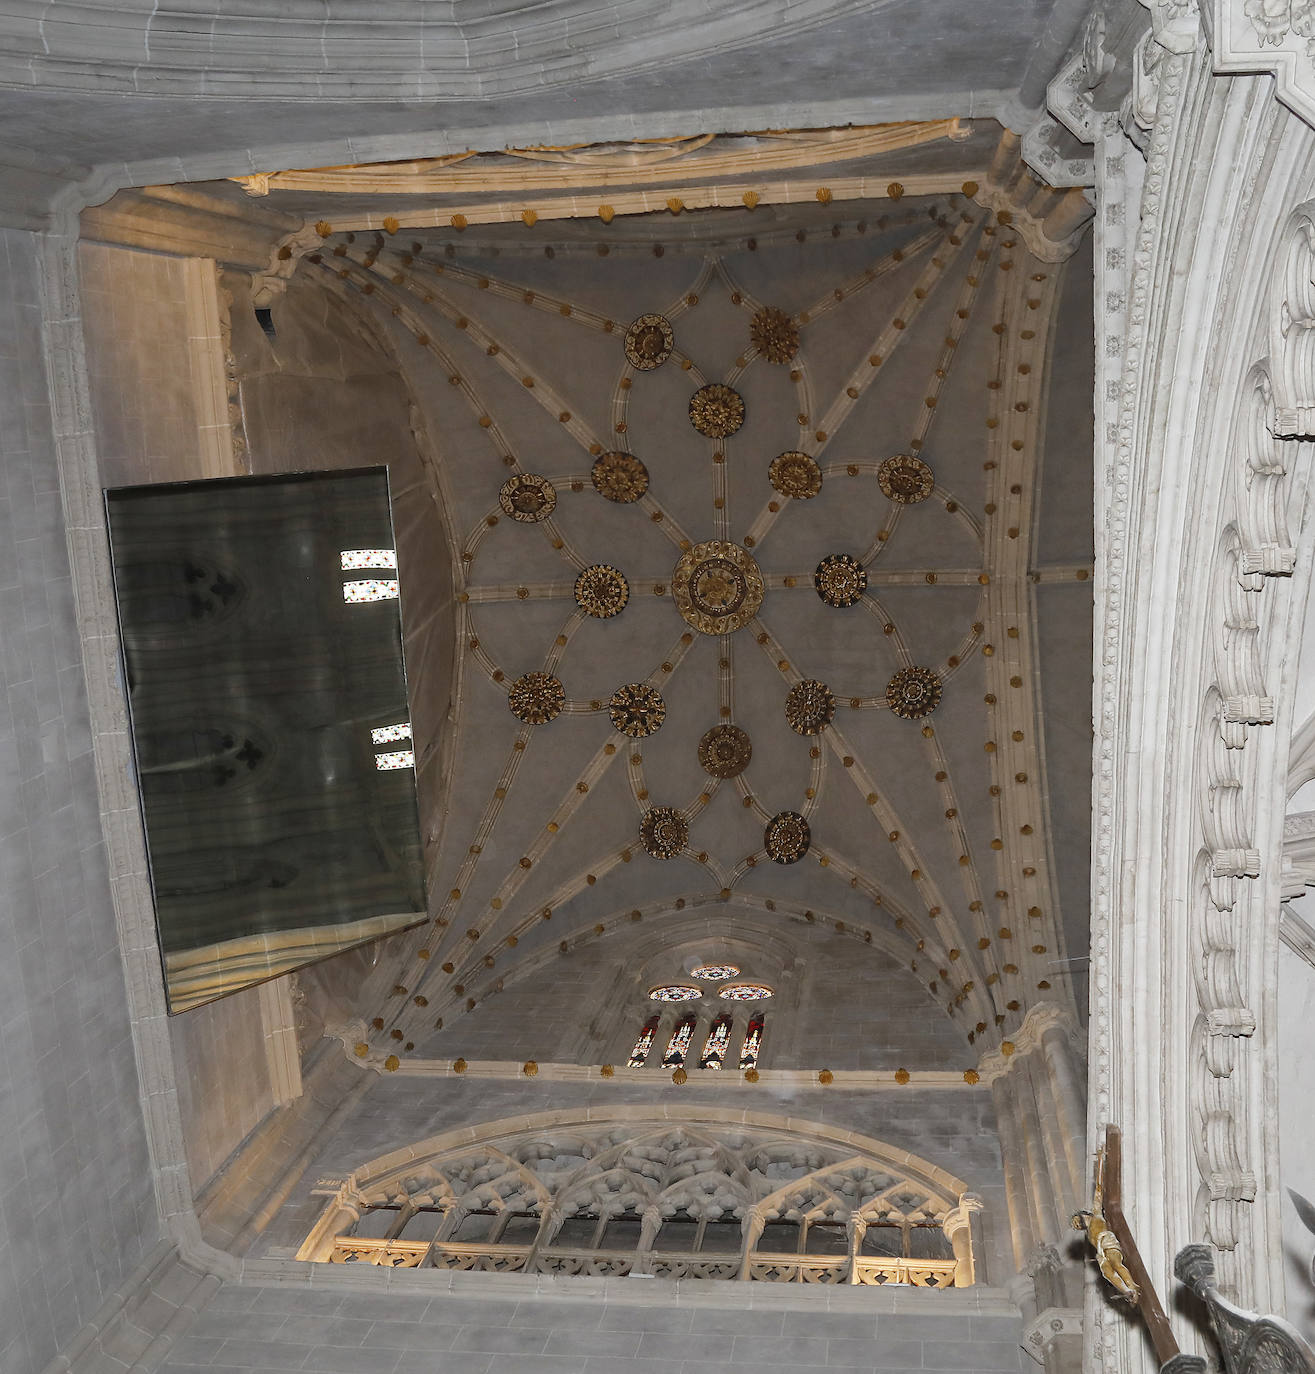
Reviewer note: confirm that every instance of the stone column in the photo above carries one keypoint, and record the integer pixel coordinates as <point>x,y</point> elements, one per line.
<point>754,1222</point>
<point>1070,1096</point>
<point>857,1228</point>
<point>964,1233</point>
<point>1017,1196</point>
<point>651,1224</point>
<point>1040,1186</point>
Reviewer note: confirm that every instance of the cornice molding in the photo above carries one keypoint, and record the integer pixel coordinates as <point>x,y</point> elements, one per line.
<point>1273,38</point>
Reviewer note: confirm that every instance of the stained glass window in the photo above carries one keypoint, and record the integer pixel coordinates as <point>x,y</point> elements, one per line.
<point>675,992</point>
<point>717,1043</point>
<point>371,589</point>
<point>678,1045</point>
<point>744,992</point>
<point>714,973</point>
<point>403,758</point>
<point>753,1042</point>
<point>389,734</point>
<point>639,1055</point>
<point>368,558</point>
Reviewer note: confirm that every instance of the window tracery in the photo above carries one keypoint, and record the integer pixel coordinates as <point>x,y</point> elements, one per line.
<point>714,973</point>
<point>675,992</point>
<point>704,1199</point>
<point>745,992</point>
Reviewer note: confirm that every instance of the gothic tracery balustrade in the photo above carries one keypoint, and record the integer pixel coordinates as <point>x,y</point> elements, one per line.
<point>705,1199</point>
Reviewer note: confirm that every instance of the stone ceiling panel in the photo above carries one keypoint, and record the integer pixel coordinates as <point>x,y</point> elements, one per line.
<point>927,336</point>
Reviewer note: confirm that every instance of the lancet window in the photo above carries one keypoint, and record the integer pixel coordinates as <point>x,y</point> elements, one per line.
<point>717,1043</point>
<point>753,1039</point>
<point>699,1200</point>
<point>678,1045</point>
<point>644,1045</point>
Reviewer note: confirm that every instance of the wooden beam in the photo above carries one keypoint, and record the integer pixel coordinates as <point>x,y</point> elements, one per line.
<point>1109,1183</point>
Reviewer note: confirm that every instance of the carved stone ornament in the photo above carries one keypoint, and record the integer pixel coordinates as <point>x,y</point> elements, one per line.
<point>840,580</point>
<point>620,477</point>
<point>775,335</point>
<point>536,698</point>
<point>716,410</point>
<point>601,591</point>
<point>810,707</point>
<point>905,479</point>
<point>913,693</point>
<point>717,587</point>
<point>725,751</point>
<point>664,831</point>
<point>786,837</point>
<point>649,342</point>
<point>1249,1343</point>
<point>528,497</point>
<point>795,475</point>
<point>637,709</point>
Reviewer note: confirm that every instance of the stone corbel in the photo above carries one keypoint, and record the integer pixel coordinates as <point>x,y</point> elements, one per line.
<point>268,285</point>
<point>1052,1335</point>
<point>1050,221</point>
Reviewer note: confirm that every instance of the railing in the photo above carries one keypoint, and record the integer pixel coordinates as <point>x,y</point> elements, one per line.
<point>762,1268</point>
<point>769,1268</point>
<point>392,1254</point>
<point>919,1273</point>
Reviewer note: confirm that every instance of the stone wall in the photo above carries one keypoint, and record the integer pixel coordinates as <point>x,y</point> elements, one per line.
<point>155,364</point>
<point>224,1088</point>
<point>78,1206</point>
<point>334,1332</point>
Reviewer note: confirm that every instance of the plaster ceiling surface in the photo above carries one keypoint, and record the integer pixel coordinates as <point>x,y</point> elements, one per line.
<point>920,328</point>
<point>166,93</point>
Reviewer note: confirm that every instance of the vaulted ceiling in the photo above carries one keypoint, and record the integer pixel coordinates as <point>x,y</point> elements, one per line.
<point>764,536</point>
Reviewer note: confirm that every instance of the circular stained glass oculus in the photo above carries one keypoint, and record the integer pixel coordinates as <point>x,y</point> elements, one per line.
<point>716,410</point>
<point>717,587</point>
<point>536,698</point>
<point>840,580</point>
<point>649,342</point>
<point>664,831</point>
<point>527,497</point>
<point>810,707</point>
<point>905,479</point>
<point>795,475</point>
<point>913,693</point>
<point>775,334</point>
<point>675,992</point>
<point>786,837</point>
<point>601,591</point>
<point>715,973</point>
<point>619,477</point>
<point>637,709</point>
<point>745,992</point>
<point>725,751</point>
